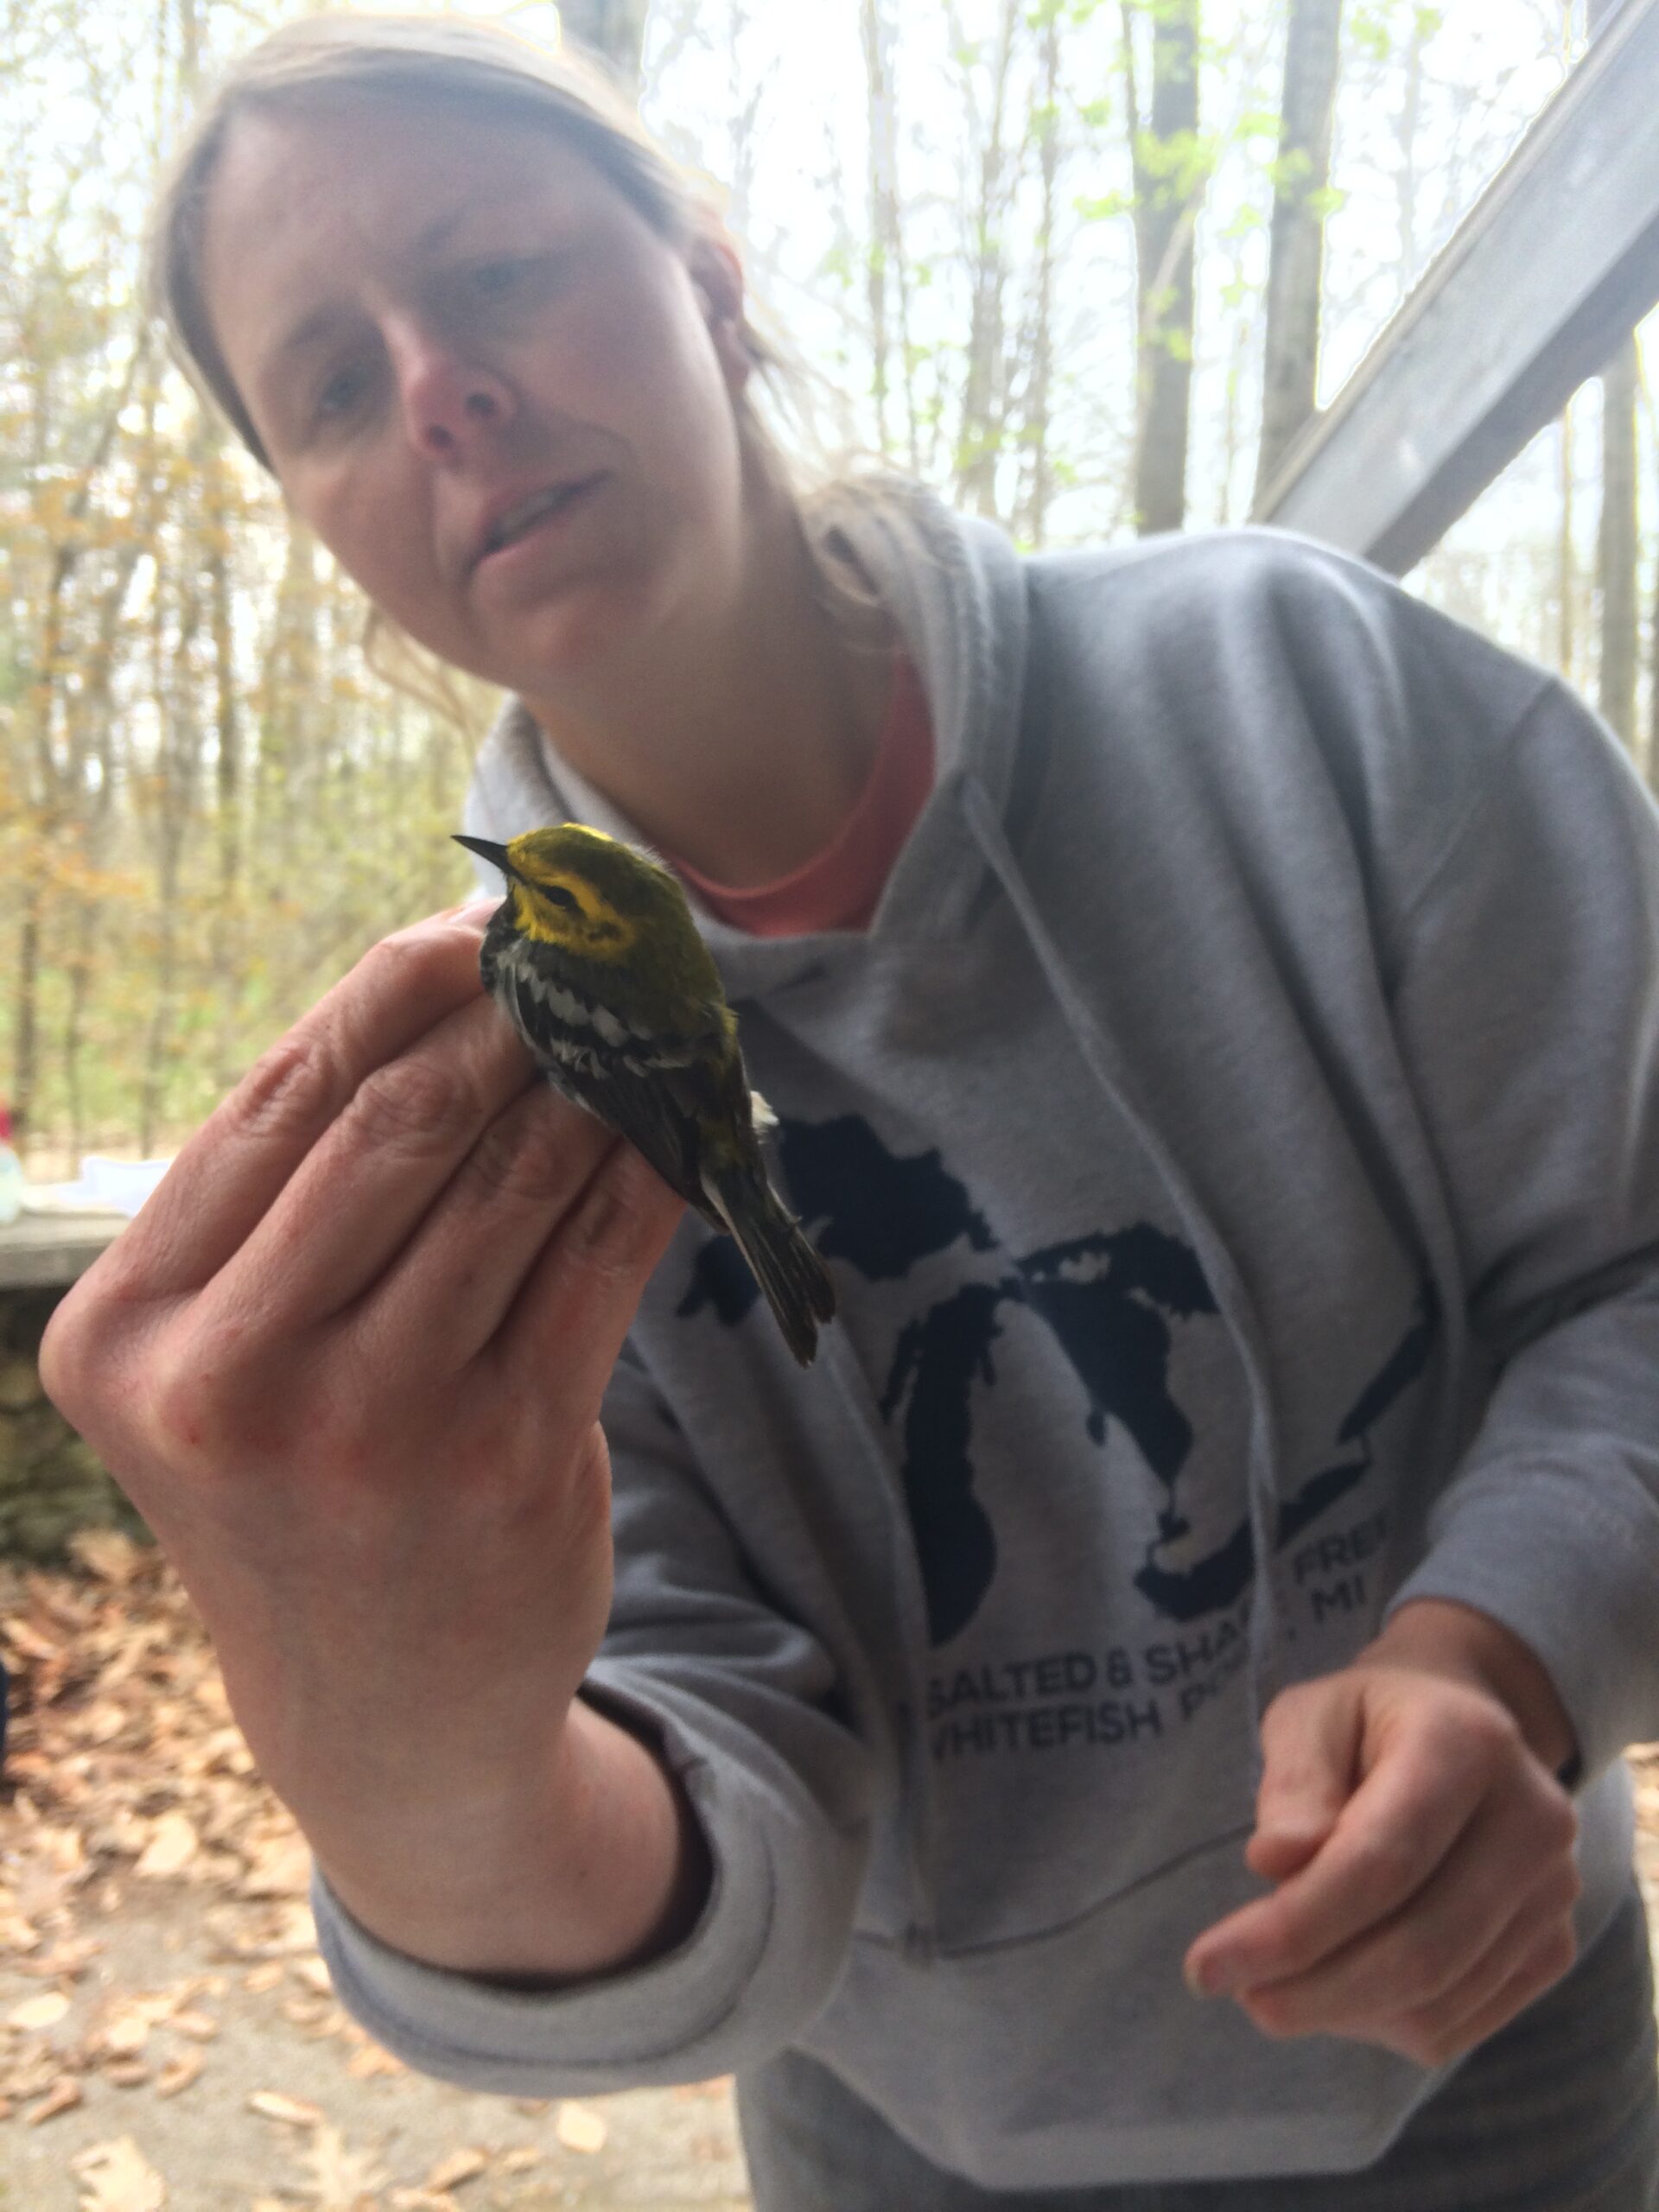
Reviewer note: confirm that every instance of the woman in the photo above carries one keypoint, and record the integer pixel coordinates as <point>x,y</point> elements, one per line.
<point>1207,997</point>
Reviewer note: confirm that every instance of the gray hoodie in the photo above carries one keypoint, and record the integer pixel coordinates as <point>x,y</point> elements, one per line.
<point>1235,1141</point>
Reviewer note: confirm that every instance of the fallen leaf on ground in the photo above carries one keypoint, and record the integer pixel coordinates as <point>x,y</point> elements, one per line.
<point>32,2071</point>
<point>264,1977</point>
<point>280,1867</point>
<point>178,2074</point>
<point>461,2166</point>
<point>43,2012</point>
<point>579,2127</point>
<point>340,2179</point>
<point>63,2093</point>
<point>200,2027</point>
<point>30,1642</point>
<point>521,2161</point>
<point>120,2178</point>
<point>275,2105</point>
<point>107,1553</point>
<point>67,1959</point>
<point>127,2073</point>
<point>171,1848</point>
<point>124,2024</point>
<point>316,1976</point>
<point>363,2065</point>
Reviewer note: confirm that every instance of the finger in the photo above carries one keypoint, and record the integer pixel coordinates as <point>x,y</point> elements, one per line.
<point>1513,1983</point>
<point>580,1297</point>
<point>1527,1956</point>
<point>228,1174</point>
<point>1395,1829</point>
<point>1485,1889</point>
<point>363,1190</point>
<point>1310,1743</point>
<point>459,1274</point>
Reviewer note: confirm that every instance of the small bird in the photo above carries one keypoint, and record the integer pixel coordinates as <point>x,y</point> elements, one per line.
<point>596,961</point>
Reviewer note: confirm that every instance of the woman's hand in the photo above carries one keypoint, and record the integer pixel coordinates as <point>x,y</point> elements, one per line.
<point>1423,1848</point>
<point>347,1362</point>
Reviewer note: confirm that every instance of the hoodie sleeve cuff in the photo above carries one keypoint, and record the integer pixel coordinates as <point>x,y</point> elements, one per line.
<point>731,1994</point>
<point>1557,1563</point>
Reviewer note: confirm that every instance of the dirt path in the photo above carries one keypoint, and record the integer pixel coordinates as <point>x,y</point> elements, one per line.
<point>168,2039</point>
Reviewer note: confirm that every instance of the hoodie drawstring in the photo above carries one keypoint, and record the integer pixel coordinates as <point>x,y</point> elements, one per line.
<point>836,1354</point>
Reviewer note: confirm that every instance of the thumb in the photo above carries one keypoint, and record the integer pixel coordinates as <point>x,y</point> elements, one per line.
<point>1310,1746</point>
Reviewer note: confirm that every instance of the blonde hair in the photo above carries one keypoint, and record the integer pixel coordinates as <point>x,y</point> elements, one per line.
<point>493,71</point>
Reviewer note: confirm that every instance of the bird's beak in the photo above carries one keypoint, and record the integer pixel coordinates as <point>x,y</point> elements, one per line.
<point>496,855</point>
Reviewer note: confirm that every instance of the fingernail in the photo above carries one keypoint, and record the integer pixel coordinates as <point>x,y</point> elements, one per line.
<point>1211,1977</point>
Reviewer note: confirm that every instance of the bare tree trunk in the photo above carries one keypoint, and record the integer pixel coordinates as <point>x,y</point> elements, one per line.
<point>886,237</point>
<point>96,707</point>
<point>984,397</point>
<point>1168,181</point>
<point>1296,251</point>
<point>177,771</point>
<point>25,1011</point>
<point>284,696</point>
<point>1619,545</point>
<point>57,783</point>
<point>612,32</point>
<point>1405,181</point>
<point>1232,440</point>
<point>1040,486</point>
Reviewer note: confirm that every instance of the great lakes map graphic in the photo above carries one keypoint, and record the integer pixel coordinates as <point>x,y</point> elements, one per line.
<point>1108,1299</point>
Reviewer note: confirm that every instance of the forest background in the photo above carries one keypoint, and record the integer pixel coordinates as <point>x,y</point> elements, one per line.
<point>1024,249</point>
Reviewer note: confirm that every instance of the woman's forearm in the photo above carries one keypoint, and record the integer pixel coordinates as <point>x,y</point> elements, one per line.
<point>598,1865</point>
<point>1455,1638</point>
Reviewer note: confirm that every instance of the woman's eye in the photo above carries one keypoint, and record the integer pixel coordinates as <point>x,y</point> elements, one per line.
<point>497,280</point>
<point>340,394</point>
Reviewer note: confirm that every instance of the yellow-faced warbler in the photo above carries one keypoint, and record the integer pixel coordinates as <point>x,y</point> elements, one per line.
<point>595,959</point>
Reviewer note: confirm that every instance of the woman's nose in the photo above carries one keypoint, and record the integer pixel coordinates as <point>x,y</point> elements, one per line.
<point>449,401</point>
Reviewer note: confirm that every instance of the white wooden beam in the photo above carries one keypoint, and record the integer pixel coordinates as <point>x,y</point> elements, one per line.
<point>1554,264</point>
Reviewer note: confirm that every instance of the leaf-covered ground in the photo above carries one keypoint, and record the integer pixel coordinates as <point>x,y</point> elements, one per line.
<point>168,2039</point>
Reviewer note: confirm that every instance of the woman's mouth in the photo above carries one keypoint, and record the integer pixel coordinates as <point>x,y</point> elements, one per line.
<point>533,517</point>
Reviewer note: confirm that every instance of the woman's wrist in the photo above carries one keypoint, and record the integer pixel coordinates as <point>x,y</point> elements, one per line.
<point>1459,1640</point>
<point>598,1865</point>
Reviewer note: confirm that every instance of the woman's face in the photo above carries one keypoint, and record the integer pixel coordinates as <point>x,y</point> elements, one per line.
<point>499,396</point>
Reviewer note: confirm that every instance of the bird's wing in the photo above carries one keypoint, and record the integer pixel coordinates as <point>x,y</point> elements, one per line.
<point>657,1116</point>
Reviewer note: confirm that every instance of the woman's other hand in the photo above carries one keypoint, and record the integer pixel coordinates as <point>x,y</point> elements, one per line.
<point>1423,1848</point>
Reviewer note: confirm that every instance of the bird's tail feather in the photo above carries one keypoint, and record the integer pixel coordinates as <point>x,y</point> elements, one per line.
<point>799,1287</point>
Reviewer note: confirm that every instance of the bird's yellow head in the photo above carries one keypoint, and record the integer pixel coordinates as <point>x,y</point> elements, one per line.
<point>583,891</point>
